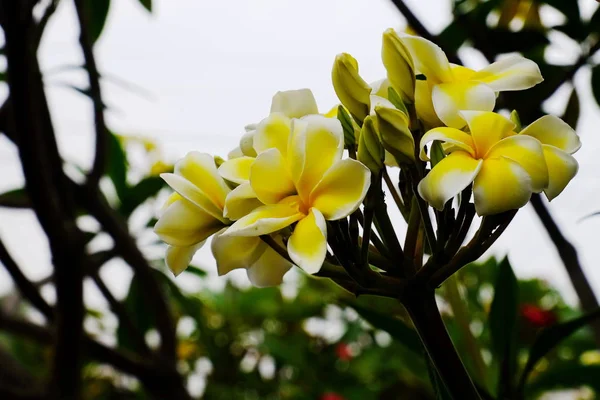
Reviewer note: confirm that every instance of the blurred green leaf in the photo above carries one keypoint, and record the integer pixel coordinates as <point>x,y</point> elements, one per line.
<point>195,271</point>
<point>16,198</point>
<point>594,23</point>
<point>395,327</point>
<point>136,306</point>
<point>503,323</point>
<point>550,337</point>
<point>566,375</point>
<point>506,41</point>
<point>453,36</point>
<point>134,196</point>
<point>147,4</point>
<point>97,11</point>
<point>596,83</point>
<point>117,165</point>
<point>572,111</point>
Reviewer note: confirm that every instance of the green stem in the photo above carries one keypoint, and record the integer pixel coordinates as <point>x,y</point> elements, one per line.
<point>428,322</point>
<point>461,314</point>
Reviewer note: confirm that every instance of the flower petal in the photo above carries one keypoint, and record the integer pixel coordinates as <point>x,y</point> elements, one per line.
<point>380,88</point>
<point>240,201</point>
<point>448,178</point>
<point>315,145</point>
<point>528,152</point>
<point>233,252</point>
<point>501,185</point>
<point>457,138</point>
<point>514,72</point>
<point>237,170</point>
<point>191,192</point>
<point>267,219</point>
<point>342,189</point>
<point>487,129</point>
<point>450,98</point>
<point>235,153</point>
<point>424,105</point>
<point>307,246</point>
<point>555,132</point>
<point>185,224</point>
<point>429,58</point>
<point>294,103</point>
<point>269,269</point>
<point>200,169</point>
<point>269,177</point>
<point>562,167</point>
<point>272,132</point>
<point>179,258</point>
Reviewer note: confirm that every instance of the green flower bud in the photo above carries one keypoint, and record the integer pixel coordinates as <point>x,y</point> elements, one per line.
<point>514,117</point>
<point>395,134</point>
<point>349,87</point>
<point>399,65</point>
<point>370,150</point>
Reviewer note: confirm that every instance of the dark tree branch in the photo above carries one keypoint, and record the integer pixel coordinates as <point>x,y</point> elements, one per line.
<point>26,288</point>
<point>94,77</point>
<point>41,26</point>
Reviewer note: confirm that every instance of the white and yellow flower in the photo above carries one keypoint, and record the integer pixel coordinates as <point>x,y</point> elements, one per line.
<point>449,88</point>
<point>195,212</point>
<point>504,167</point>
<point>304,181</point>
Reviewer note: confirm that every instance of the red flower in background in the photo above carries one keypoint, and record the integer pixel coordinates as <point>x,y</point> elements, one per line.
<point>342,350</point>
<point>537,316</point>
<point>331,396</point>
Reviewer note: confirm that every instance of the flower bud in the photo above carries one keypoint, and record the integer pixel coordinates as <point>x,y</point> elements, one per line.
<point>247,144</point>
<point>399,65</point>
<point>514,117</point>
<point>370,150</point>
<point>395,134</point>
<point>350,88</point>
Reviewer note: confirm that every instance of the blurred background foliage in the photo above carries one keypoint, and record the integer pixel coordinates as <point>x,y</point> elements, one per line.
<point>318,341</point>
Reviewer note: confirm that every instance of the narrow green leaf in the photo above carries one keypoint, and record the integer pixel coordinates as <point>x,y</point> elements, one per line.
<point>550,337</point>
<point>596,83</point>
<point>503,324</point>
<point>437,152</point>
<point>17,198</point>
<point>97,11</point>
<point>566,376</point>
<point>395,327</point>
<point>396,100</point>
<point>117,166</point>
<point>571,115</point>
<point>147,4</point>
<point>347,126</point>
<point>196,271</point>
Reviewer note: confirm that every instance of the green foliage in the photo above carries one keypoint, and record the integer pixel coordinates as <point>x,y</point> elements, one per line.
<point>16,198</point>
<point>147,4</point>
<point>97,11</point>
<point>571,114</point>
<point>348,127</point>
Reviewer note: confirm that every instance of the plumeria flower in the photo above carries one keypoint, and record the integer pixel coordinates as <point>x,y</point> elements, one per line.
<point>195,212</point>
<point>449,88</point>
<point>303,183</point>
<point>504,167</point>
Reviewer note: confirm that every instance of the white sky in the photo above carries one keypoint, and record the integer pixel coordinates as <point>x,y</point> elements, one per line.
<point>211,67</point>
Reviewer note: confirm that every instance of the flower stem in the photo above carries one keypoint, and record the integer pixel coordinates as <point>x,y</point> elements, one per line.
<point>428,322</point>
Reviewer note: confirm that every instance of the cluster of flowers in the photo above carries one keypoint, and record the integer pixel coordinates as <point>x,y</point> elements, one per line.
<point>289,177</point>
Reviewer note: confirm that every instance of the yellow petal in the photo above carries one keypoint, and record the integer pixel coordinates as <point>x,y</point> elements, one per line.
<point>235,153</point>
<point>247,143</point>
<point>179,258</point>
<point>424,105</point>
<point>307,246</point>
<point>487,129</point>
<point>501,185</point>
<point>233,252</point>
<point>429,59</point>
<point>562,167</point>
<point>269,269</point>
<point>294,103</point>
<point>450,98</point>
<point>514,72</point>
<point>240,201</point>
<point>448,178</point>
<point>267,219</point>
<point>270,178</point>
<point>555,132</point>
<point>526,151</point>
<point>399,65</point>
<point>315,145</point>
<point>191,192</point>
<point>342,189</point>
<point>458,139</point>
<point>200,169</point>
<point>184,224</point>
<point>380,88</point>
<point>272,132</point>
<point>349,87</point>
<point>332,113</point>
<point>237,170</point>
